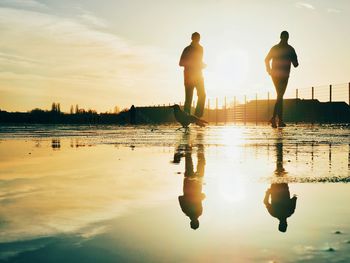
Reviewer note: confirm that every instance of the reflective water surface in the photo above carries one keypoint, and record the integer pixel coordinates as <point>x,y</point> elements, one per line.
<point>154,194</point>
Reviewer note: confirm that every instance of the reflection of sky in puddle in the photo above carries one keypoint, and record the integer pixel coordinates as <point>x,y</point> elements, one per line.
<point>110,200</point>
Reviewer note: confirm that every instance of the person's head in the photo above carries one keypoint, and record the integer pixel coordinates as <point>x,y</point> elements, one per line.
<point>282,227</point>
<point>284,36</point>
<point>196,37</point>
<point>194,223</point>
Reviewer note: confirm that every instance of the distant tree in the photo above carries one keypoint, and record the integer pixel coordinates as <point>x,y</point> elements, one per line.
<point>53,107</point>
<point>76,109</point>
<point>125,110</point>
<point>71,109</point>
<point>81,111</point>
<point>116,110</point>
<point>56,107</point>
<point>36,110</point>
<point>92,111</point>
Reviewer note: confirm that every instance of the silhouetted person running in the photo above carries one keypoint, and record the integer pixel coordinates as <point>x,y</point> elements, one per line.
<point>192,61</point>
<point>191,200</point>
<point>282,56</point>
<point>281,205</point>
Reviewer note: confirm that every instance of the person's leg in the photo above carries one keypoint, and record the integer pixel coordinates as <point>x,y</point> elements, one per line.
<point>282,86</point>
<point>188,99</point>
<point>201,98</point>
<point>189,171</point>
<point>275,81</point>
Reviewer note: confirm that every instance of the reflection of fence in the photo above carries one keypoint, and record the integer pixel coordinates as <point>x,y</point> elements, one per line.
<point>320,103</point>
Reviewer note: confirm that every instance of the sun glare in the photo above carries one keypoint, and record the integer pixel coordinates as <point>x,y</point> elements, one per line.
<point>227,71</point>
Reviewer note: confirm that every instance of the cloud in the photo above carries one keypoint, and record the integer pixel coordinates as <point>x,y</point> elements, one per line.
<point>72,61</point>
<point>31,4</point>
<point>304,5</point>
<point>90,19</point>
<point>333,10</point>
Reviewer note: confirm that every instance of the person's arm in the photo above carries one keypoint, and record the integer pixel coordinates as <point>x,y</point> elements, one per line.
<point>295,61</point>
<point>267,61</point>
<point>293,202</point>
<point>184,57</point>
<point>266,202</point>
<point>267,196</point>
<point>203,65</point>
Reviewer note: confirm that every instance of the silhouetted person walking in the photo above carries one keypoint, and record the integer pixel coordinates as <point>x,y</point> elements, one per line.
<point>191,200</point>
<point>282,56</point>
<point>192,61</point>
<point>281,205</point>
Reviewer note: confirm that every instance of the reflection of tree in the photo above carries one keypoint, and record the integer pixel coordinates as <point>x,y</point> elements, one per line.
<point>55,144</point>
<point>191,200</point>
<point>277,198</point>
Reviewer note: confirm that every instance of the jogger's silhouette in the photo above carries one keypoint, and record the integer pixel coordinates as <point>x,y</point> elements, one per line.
<point>192,61</point>
<point>282,56</point>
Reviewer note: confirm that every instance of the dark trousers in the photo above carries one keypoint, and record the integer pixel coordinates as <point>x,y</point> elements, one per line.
<point>201,98</point>
<point>280,86</point>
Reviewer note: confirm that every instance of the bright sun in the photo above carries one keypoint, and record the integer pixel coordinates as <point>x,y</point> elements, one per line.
<point>227,71</point>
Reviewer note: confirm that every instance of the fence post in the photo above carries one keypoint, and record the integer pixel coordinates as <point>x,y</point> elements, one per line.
<point>296,105</point>
<point>330,155</point>
<point>216,111</point>
<point>245,109</point>
<point>313,106</point>
<point>225,111</point>
<point>208,110</point>
<point>234,109</point>
<point>349,93</point>
<point>330,106</point>
<point>256,108</point>
<point>268,105</point>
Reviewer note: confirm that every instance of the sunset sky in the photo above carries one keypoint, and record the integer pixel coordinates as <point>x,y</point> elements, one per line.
<point>99,54</point>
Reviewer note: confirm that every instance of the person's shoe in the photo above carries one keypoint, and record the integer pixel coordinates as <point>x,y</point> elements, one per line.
<point>273,123</point>
<point>281,124</point>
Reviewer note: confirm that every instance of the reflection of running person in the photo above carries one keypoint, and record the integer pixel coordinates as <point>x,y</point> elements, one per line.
<point>192,61</point>
<point>282,55</point>
<point>280,205</point>
<point>191,200</point>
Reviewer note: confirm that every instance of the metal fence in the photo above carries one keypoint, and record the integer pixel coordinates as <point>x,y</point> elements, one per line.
<point>324,103</point>
<point>259,107</point>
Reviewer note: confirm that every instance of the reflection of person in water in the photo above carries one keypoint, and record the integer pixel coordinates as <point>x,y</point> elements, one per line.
<point>191,200</point>
<point>281,205</point>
